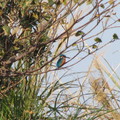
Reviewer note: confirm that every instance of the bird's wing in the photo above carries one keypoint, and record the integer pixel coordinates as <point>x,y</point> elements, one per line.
<point>60,62</point>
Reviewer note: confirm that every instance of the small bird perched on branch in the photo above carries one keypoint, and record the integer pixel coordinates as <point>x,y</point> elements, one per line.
<point>61,61</point>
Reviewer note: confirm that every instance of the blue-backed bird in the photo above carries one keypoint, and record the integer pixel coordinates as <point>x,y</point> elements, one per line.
<point>61,61</point>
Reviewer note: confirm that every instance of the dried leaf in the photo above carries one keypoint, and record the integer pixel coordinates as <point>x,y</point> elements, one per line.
<point>97,15</point>
<point>111,2</point>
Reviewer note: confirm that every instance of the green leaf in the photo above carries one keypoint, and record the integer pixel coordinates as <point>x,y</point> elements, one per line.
<point>16,41</point>
<point>74,44</point>
<point>64,2</point>
<point>47,17</point>
<point>115,36</point>
<point>28,2</point>
<point>3,4</point>
<point>89,2</point>
<point>102,6</point>
<point>16,48</point>
<point>94,46</point>
<point>2,52</point>
<point>98,40</point>
<point>50,2</point>
<point>6,29</point>
<point>78,33</point>
<point>35,15</point>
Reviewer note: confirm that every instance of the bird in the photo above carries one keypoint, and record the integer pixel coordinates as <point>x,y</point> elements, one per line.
<point>61,61</point>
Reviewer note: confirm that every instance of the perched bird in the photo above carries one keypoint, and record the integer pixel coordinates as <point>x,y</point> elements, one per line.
<point>61,61</point>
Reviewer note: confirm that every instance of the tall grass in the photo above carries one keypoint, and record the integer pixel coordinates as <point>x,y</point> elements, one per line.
<point>38,98</point>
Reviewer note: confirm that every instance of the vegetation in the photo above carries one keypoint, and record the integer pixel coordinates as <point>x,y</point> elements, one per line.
<point>33,33</point>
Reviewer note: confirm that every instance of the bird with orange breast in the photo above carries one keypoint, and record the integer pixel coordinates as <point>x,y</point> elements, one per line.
<point>61,61</point>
